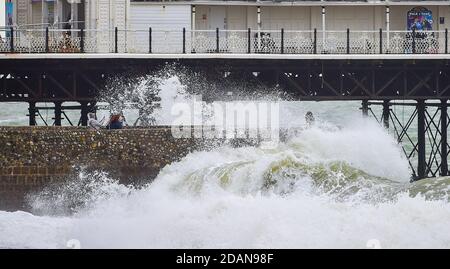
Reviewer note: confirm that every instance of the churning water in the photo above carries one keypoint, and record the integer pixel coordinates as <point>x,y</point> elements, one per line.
<point>344,183</point>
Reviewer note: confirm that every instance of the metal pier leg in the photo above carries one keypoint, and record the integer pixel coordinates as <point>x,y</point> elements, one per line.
<point>444,152</point>
<point>421,164</point>
<point>386,114</point>
<point>58,113</point>
<point>32,113</point>
<point>365,108</point>
<point>84,113</point>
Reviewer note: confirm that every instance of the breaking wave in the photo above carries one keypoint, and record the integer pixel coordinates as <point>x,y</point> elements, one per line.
<point>321,188</point>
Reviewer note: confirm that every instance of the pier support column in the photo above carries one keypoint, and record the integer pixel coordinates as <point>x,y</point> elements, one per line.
<point>58,113</point>
<point>365,108</point>
<point>444,152</point>
<point>421,164</point>
<point>385,117</point>
<point>84,113</point>
<point>32,113</point>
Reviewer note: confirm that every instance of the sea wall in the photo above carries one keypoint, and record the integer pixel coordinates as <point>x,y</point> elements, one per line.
<point>34,157</point>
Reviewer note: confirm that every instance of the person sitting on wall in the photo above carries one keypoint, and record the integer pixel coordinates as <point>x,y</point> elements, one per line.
<point>117,121</point>
<point>93,123</point>
<point>124,121</point>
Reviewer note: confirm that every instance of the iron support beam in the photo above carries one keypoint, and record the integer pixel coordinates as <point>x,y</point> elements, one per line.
<point>249,38</point>
<point>446,40</point>
<point>217,41</point>
<point>58,113</point>
<point>32,113</point>
<point>315,41</point>
<point>116,39</point>
<point>381,41</point>
<point>444,146</point>
<point>11,41</point>
<point>82,40</point>
<point>365,108</point>
<point>421,163</point>
<point>150,40</point>
<point>348,41</point>
<point>386,107</point>
<point>184,40</point>
<point>84,113</point>
<point>47,48</point>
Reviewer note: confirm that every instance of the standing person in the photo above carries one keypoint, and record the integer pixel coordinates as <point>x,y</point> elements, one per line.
<point>68,25</point>
<point>309,117</point>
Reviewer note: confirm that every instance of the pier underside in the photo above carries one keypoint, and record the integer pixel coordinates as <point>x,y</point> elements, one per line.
<point>80,80</point>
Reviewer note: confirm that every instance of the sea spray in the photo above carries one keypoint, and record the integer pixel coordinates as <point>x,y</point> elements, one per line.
<point>148,99</point>
<point>296,195</point>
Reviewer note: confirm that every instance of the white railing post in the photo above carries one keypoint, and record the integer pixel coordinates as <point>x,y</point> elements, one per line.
<point>193,29</point>
<point>323,29</point>
<point>387,29</point>
<point>259,27</point>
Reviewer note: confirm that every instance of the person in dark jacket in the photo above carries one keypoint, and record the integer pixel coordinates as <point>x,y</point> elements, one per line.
<point>117,121</point>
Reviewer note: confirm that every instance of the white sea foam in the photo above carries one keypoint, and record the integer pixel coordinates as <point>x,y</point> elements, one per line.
<point>180,211</point>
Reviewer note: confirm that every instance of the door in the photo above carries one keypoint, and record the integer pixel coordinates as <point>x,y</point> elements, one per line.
<point>167,23</point>
<point>217,17</point>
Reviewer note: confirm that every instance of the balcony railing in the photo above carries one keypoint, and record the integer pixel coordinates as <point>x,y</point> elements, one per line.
<point>280,1</point>
<point>180,41</point>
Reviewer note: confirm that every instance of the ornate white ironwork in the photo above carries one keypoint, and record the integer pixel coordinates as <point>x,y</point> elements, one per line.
<point>267,43</point>
<point>29,42</point>
<point>299,44</point>
<point>236,43</point>
<point>137,42</point>
<point>203,43</point>
<point>362,45</point>
<point>64,43</point>
<point>5,44</point>
<point>230,41</point>
<point>397,44</point>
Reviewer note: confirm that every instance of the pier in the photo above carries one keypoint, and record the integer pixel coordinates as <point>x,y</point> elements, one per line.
<point>382,53</point>
<point>34,68</point>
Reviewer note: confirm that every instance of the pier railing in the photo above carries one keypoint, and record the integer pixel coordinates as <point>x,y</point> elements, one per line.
<point>178,41</point>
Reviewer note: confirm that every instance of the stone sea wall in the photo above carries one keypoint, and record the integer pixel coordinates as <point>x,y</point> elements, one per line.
<point>34,157</point>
